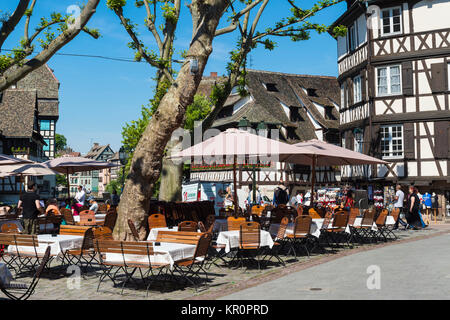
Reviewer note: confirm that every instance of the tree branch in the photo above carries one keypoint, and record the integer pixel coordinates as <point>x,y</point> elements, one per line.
<point>9,25</point>
<point>12,75</point>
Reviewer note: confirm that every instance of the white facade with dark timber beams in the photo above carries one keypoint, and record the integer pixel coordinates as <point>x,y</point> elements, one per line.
<point>394,69</point>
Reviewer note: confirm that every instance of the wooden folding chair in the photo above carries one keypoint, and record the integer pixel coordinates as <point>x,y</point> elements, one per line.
<point>249,243</point>
<point>10,227</point>
<point>110,220</point>
<point>279,242</point>
<point>157,221</point>
<point>129,252</point>
<point>133,230</point>
<point>22,291</point>
<point>193,266</point>
<point>189,226</point>
<point>235,223</point>
<point>300,235</point>
<point>68,216</point>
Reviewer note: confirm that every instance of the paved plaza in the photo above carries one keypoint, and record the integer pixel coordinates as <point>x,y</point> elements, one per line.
<point>419,255</point>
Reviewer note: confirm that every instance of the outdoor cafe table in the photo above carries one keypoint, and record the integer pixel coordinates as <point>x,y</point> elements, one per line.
<point>168,253</point>
<point>5,275</point>
<point>58,244</point>
<point>230,239</point>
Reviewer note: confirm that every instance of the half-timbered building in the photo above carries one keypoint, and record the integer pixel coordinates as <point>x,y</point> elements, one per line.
<point>28,116</point>
<point>297,107</point>
<point>393,74</point>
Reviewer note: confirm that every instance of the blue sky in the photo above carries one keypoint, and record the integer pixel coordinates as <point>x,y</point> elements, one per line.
<point>97,97</point>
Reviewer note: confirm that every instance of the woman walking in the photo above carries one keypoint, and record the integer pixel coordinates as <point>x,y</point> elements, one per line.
<point>412,209</point>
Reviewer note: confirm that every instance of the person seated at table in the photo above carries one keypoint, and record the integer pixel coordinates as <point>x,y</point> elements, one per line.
<point>52,205</point>
<point>93,205</point>
<point>348,201</point>
<point>75,208</point>
<point>4,210</point>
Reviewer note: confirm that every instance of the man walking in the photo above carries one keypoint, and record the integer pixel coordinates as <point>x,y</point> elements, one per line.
<point>399,198</point>
<point>30,203</point>
<point>280,195</point>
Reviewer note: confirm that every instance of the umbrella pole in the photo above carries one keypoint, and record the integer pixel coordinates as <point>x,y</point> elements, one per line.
<point>235,187</point>
<point>313,179</point>
<point>68,184</point>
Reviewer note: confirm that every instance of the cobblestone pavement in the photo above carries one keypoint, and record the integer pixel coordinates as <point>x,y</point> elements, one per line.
<point>61,285</point>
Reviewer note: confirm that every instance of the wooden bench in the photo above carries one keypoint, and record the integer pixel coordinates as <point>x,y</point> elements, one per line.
<point>185,237</point>
<point>73,230</point>
<point>128,251</point>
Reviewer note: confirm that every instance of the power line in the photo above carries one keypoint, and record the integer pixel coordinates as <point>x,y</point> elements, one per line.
<point>88,56</point>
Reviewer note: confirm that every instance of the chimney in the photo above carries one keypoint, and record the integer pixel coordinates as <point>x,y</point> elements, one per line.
<point>213,75</point>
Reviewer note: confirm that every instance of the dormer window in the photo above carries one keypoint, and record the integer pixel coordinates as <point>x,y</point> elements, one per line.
<point>271,87</point>
<point>311,92</point>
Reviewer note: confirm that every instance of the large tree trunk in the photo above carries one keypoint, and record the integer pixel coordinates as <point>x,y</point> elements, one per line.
<point>171,175</point>
<point>146,162</point>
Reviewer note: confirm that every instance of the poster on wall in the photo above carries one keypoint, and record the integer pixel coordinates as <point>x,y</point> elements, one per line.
<point>189,192</point>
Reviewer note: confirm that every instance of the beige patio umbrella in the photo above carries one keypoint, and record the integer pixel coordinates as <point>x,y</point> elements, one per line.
<point>27,169</point>
<point>6,160</point>
<point>320,153</point>
<point>235,145</point>
<point>70,165</point>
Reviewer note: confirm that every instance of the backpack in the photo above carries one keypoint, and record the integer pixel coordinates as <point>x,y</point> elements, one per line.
<point>281,196</point>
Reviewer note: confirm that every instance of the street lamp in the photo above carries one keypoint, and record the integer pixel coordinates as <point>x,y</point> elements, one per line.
<point>262,129</point>
<point>244,124</point>
<point>123,161</point>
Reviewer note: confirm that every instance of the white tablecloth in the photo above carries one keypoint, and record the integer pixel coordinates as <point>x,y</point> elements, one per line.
<point>169,254</point>
<point>5,275</point>
<point>57,244</point>
<point>98,217</point>
<point>230,239</point>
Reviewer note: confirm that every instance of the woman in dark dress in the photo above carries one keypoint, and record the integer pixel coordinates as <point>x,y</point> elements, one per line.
<point>412,209</point>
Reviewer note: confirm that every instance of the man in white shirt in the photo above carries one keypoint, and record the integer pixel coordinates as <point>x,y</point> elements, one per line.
<point>399,198</point>
<point>80,196</point>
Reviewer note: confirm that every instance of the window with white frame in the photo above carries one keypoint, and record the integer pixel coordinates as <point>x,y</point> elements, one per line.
<point>359,141</point>
<point>342,96</point>
<point>352,38</point>
<point>392,141</point>
<point>389,80</point>
<point>391,19</point>
<point>357,96</point>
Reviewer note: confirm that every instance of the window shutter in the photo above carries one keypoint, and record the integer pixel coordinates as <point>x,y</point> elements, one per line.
<point>366,145</point>
<point>363,85</point>
<point>371,83</point>
<point>407,78</point>
<point>347,139</point>
<point>351,139</point>
<point>349,92</point>
<point>408,140</point>
<point>438,77</point>
<point>441,142</point>
<point>375,143</point>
